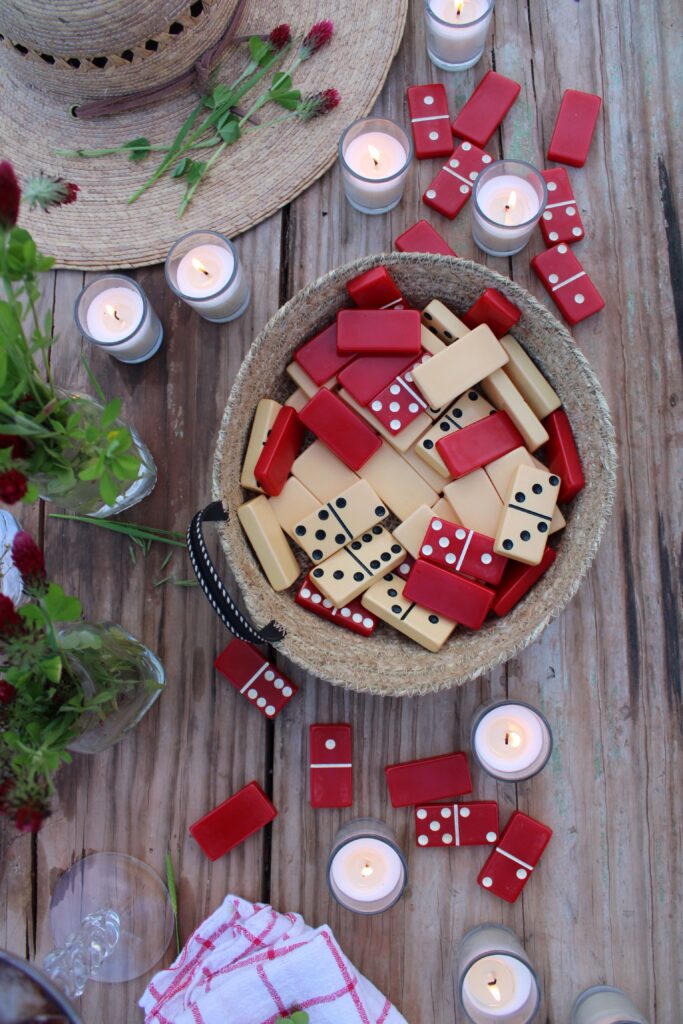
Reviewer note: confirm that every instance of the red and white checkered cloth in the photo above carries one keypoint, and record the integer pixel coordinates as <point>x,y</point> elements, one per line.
<point>247,964</point>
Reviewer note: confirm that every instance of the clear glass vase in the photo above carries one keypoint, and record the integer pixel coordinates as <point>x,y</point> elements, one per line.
<point>117,670</point>
<point>82,497</point>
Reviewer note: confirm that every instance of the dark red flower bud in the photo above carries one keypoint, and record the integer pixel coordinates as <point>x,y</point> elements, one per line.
<point>17,444</point>
<point>7,692</point>
<point>46,191</point>
<point>10,195</point>
<point>318,104</point>
<point>13,486</point>
<point>28,559</point>
<point>280,37</point>
<point>10,622</point>
<point>30,817</point>
<point>316,38</point>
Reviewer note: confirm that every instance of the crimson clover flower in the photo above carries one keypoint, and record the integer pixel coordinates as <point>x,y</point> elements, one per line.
<point>280,37</point>
<point>10,622</point>
<point>10,196</point>
<point>47,191</point>
<point>7,692</point>
<point>28,559</point>
<point>13,486</point>
<point>318,104</point>
<point>17,444</point>
<point>317,37</point>
<point>29,817</point>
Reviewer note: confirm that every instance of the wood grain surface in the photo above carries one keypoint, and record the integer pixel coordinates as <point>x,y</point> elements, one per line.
<point>605,904</point>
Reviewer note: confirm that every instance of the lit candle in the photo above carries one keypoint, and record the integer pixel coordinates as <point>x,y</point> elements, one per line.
<point>497,983</point>
<point>456,31</point>
<point>511,741</point>
<point>375,155</point>
<point>113,313</point>
<point>366,871</point>
<point>509,197</point>
<point>603,1004</point>
<point>204,270</point>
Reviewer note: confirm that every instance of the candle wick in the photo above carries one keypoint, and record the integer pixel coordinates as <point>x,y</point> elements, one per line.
<point>507,739</point>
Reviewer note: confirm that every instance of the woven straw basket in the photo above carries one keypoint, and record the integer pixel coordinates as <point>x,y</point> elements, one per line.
<point>388,663</point>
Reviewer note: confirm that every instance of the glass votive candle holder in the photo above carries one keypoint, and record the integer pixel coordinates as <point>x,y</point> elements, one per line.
<point>375,155</point>
<point>603,1004</point>
<point>508,200</point>
<point>114,313</point>
<point>456,31</point>
<point>496,982</point>
<point>204,270</point>
<point>511,740</point>
<point>367,870</point>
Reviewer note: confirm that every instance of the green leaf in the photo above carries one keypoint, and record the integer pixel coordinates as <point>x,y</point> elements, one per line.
<point>173,896</point>
<point>52,668</point>
<point>111,412</point>
<point>281,80</point>
<point>92,470</point>
<point>60,606</point>
<point>289,100</point>
<point>181,168</point>
<point>108,491</point>
<point>195,172</point>
<point>230,132</point>
<point>258,49</point>
<point>80,640</point>
<point>125,467</point>
<point>139,148</point>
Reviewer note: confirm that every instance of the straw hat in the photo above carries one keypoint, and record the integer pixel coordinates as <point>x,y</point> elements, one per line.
<point>59,55</point>
<point>388,663</point>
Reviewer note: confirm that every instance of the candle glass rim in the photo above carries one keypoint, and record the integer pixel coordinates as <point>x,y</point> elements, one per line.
<point>337,847</point>
<point>499,773</point>
<point>524,223</point>
<point>201,298</point>
<point>454,24</point>
<point>134,286</point>
<point>513,956</point>
<point>595,990</point>
<point>376,181</point>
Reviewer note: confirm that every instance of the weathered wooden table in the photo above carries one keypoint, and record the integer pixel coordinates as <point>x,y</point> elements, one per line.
<point>603,907</point>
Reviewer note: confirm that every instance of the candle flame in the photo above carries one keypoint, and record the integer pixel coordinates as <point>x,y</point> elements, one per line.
<point>112,312</point>
<point>367,870</point>
<point>374,154</point>
<point>494,991</point>
<point>198,265</point>
<point>459,4</point>
<point>512,738</point>
<point>510,205</point>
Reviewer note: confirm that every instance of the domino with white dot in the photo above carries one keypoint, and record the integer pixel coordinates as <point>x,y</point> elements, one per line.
<point>567,283</point>
<point>331,767</point>
<point>461,550</point>
<point>515,857</point>
<point>468,824</point>
<point>452,187</point>
<point>255,678</point>
<point>561,221</point>
<point>352,616</point>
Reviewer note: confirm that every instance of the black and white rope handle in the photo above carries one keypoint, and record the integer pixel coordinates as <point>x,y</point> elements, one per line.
<point>213,587</point>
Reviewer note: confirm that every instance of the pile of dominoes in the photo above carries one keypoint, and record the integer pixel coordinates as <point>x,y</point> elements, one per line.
<point>422,500</point>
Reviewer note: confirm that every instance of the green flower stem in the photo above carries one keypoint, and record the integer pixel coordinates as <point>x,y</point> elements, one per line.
<point>157,147</point>
<point>151,533</point>
<point>170,156</point>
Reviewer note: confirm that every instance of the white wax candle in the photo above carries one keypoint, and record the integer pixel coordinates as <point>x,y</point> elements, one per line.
<point>114,314</point>
<point>373,156</point>
<point>511,202</point>
<point>458,38</point>
<point>203,274</point>
<point>510,738</point>
<point>605,1005</point>
<point>497,985</point>
<point>366,869</point>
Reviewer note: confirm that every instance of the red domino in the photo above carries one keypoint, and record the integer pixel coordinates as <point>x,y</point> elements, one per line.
<point>257,679</point>
<point>279,451</point>
<point>519,850</point>
<point>422,237</point>
<point>331,768</point>
<point>494,309</point>
<point>460,550</point>
<point>561,220</point>
<point>340,429</point>
<point>319,356</point>
<point>233,821</point>
<point>562,456</point>
<point>366,376</point>
<point>378,332</point>
<point>471,824</point>
<point>486,108</point>
<point>432,778</point>
<point>479,443</point>
<point>375,289</point>
<point>352,616</point>
<point>574,127</point>
<point>447,593</point>
<point>567,283</point>
<point>398,404</point>
<point>429,120</point>
<point>518,580</point>
<point>452,186</point>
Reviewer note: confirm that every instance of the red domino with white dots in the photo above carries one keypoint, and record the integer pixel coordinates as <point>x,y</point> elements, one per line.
<point>462,550</point>
<point>400,402</point>
<point>567,283</point>
<point>453,185</point>
<point>561,220</point>
<point>331,765</point>
<point>259,681</point>
<point>352,616</point>
<point>471,824</point>
<point>517,853</point>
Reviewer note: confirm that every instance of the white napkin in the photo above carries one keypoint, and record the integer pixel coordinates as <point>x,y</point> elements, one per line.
<point>247,964</point>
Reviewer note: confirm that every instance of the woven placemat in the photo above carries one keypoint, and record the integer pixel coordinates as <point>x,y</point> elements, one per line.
<point>256,177</point>
<point>388,663</point>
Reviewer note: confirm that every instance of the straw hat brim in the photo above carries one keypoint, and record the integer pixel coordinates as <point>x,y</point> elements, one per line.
<point>260,174</point>
<point>388,663</point>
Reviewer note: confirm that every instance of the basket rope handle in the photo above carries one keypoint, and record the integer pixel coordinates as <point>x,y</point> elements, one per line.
<point>213,587</point>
